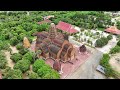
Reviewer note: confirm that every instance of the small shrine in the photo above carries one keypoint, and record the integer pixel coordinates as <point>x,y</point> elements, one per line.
<point>26,42</point>
<point>82,49</point>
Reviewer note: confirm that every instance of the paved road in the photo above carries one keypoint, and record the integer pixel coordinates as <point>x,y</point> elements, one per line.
<point>88,69</point>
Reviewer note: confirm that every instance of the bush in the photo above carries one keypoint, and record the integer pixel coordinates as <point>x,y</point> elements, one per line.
<point>105,63</point>
<point>23,51</point>
<point>46,72</point>
<point>109,37</point>
<point>4,45</point>
<point>101,42</point>
<point>118,43</point>
<point>114,50</point>
<point>3,60</point>
<point>29,56</point>
<point>19,46</point>
<point>12,74</point>
<point>33,75</point>
<point>14,41</point>
<point>23,65</point>
<point>16,57</point>
<point>52,75</point>
<point>38,64</point>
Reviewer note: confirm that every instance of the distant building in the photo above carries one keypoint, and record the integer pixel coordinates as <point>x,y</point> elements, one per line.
<point>66,27</point>
<point>113,30</point>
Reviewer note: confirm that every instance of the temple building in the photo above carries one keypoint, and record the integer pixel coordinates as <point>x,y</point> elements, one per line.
<point>113,30</point>
<point>55,45</point>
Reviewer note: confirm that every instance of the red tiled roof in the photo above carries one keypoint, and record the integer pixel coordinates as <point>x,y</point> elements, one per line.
<point>66,27</point>
<point>113,30</point>
<point>45,21</point>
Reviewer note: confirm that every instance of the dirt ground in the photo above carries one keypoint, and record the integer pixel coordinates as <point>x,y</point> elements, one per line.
<point>115,63</point>
<point>10,62</point>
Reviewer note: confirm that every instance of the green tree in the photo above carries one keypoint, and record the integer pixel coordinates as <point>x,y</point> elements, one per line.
<point>16,57</point>
<point>118,43</point>
<point>3,60</point>
<point>33,75</point>
<point>19,46</point>
<point>29,56</point>
<point>14,41</point>
<point>38,64</point>
<point>22,65</point>
<point>12,74</point>
<point>109,37</point>
<point>23,51</point>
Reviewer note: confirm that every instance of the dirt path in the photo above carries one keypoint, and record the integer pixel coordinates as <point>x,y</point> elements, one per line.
<point>14,50</point>
<point>7,54</point>
<point>10,62</point>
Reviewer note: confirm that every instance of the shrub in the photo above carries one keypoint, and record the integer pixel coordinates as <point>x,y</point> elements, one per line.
<point>19,46</point>
<point>114,50</point>
<point>101,42</point>
<point>12,74</point>
<point>52,75</point>
<point>43,70</point>
<point>33,75</point>
<point>38,64</point>
<point>109,37</point>
<point>16,57</point>
<point>46,72</point>
<point>23,51</point>
<point>3,60</point>
<point>4,45</point>
<point>118,43</point>
<point>14,41</point>
<point>105,63</point>
<point>29,56</point>
<point>23,65</point>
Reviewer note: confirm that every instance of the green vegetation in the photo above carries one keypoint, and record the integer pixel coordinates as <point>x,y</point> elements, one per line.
<point>101,42</point>
<point>44,71</point>
<point>23,51</point>
<point>9,73</point>
<point>37,64</point>
<point>33,75</point>
<point>118,43</point>
<point>114,50</point>
<point>29,56</point>
<point>4,45</point>
<point>22,65</point>
<point>3,60</point>
<point>109,70</point>
<point>109,37</point>
<point>19,46</point>
<point>14,26</point>
<point>118,25</point>
<point>16,57</point>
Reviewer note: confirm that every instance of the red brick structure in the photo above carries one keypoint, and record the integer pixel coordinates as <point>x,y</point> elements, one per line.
<point>54,45</point>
